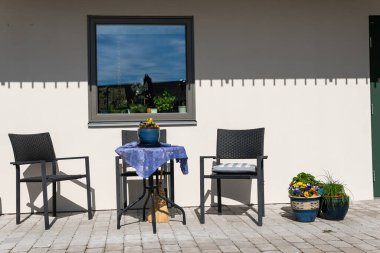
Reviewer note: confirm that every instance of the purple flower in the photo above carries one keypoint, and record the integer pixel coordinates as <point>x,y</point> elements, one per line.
<point>296,191</point>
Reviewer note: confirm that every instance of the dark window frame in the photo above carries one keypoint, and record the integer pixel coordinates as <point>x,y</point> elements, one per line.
<point>119,119</point>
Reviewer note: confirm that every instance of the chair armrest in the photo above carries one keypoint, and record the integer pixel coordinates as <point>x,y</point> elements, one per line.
<point>86,160</point>
<point>202,163</point>
<point>71,158</point>
<point>41,162</point>
<point>260,164</point>
<point>207,156</point>
<point>27,162</point>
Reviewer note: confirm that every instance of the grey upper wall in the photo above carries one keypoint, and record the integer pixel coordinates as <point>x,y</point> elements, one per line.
<point>47,40</point>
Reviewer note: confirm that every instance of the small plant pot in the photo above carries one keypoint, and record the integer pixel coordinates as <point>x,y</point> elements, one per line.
<point>149,136</point>
<point>305,209</point>
<point>151,110</point>
<point>334,208</point>
<point>182,109</point>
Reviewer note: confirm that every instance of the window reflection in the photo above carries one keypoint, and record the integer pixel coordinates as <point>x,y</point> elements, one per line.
<point>140,67</point>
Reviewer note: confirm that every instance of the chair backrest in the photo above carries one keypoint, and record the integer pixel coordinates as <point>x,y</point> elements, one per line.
<point>240,144</point>
<point>131,135</point>
<point>32,147</point>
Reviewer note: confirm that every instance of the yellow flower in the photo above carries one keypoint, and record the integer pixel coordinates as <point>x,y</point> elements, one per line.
<point>312,189</point>
<point>306,194</point>
<point>299,183</point>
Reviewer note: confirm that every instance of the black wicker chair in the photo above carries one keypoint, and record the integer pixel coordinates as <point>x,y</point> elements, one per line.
<point>236,144</point>
<point>31,149</point>
<point>129,136</point>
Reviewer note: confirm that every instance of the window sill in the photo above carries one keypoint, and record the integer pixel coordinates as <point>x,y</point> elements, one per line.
<point>116,124</point>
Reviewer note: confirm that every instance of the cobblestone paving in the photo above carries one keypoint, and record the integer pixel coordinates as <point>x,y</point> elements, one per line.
<point>235,231</point>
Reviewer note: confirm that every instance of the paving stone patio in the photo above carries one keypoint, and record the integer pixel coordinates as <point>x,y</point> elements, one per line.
<point>235,231</point>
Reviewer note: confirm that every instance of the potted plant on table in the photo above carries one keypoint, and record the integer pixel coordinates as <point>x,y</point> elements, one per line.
<point>335,201</point>
<point>149,133</point>
<point>304,194</point>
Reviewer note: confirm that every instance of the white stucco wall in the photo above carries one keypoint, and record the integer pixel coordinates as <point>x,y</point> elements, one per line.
<point>298,68</point>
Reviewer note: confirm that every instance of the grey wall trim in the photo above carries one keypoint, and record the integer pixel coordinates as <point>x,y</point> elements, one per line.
<point>116,124</point>
<point>97,119</point>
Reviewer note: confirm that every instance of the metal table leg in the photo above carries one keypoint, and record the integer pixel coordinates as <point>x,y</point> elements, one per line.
<point>151,187</point>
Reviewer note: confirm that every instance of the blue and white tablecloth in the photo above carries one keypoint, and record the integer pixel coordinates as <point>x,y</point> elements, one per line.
<point>147,160</point>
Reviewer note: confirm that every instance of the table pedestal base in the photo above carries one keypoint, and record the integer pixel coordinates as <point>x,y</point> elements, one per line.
<point>152,193</point>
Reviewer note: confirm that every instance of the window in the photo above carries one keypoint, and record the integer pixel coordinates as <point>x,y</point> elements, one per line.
<point>141,67</point>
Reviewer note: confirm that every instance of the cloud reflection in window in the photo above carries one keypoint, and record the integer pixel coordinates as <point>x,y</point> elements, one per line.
<point>125,53</point>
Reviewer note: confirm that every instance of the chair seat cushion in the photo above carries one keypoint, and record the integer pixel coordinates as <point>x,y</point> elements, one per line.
<point>234,168</point>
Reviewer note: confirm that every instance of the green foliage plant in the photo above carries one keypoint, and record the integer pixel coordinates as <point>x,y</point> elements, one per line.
<point>138,108</point>
<point>333,189</point>
<point>165,102</point>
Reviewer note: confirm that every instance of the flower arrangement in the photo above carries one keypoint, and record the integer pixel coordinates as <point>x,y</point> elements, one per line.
<point>149,123</point>
<point>304,185</point>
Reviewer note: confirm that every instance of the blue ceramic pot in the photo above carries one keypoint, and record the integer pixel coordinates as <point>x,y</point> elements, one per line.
<point>305,209</point>
<point>334,208</point>
<point>149,136</point>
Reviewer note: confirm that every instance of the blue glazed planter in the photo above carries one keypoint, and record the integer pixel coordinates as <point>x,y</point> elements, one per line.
<point>334,208</point>
<point>305,209</point>
<point>149,136</point>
